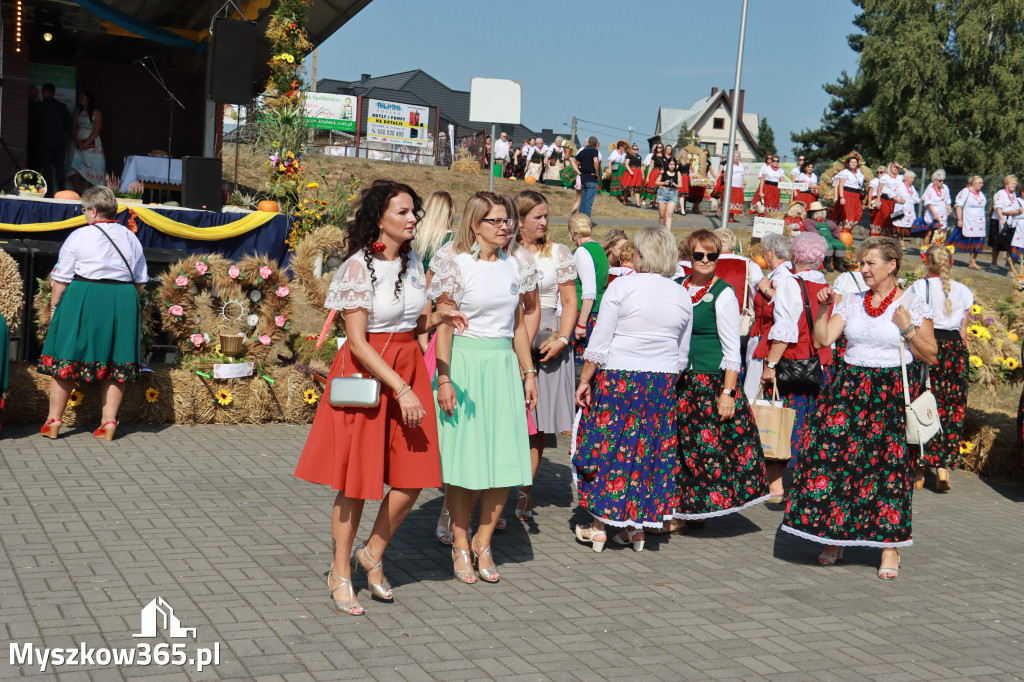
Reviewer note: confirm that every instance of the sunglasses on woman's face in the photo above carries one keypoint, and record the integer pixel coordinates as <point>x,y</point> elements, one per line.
<point>699,256</point>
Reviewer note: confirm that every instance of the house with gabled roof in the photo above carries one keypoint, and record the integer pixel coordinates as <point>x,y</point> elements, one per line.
<point>709,119</point>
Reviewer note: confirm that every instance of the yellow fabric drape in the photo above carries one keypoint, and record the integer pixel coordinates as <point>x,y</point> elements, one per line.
<point>160,223</point>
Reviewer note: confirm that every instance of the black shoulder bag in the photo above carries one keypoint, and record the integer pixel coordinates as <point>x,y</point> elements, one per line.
<point>805,374</point>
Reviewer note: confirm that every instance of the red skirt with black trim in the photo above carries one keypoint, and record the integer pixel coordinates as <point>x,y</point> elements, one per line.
<point>632,178</point>
<point>848,214</point>
<point>736,200</point>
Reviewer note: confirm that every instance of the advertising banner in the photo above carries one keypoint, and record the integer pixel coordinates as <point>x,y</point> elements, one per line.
<point>62,77</point>
<point>397,123</point>
<point>327,111</point>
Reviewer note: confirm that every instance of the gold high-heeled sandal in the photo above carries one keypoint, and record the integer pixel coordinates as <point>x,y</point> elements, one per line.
<point>350,607</point>
<point>489,575</point>
<point>383,590</point>
<point>468,577</point>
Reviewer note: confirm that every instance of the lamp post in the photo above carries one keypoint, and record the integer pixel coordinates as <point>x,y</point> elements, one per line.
<point>727,194</point>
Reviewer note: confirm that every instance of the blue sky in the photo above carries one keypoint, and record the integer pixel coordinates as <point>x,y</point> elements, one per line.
<point>612,63</point>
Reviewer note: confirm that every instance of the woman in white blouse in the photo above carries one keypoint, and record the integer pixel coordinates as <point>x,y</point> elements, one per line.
<point>94,334</point>
<point>887,192</point>
<point>768,186</point>
<point>936,206</point>
<point>722,468</point>
<point>624,453</point>
<point>736,188</point>
<point>357,450</point>
<point>873,197</point>
<point>849,184</point>
<point>591,280</point>
<point>485,447</point>
<point>907,200</point>
<point>969,233</point>
<point>1006,212</point>
<point>776,253</point>
<point>807,174</point>
<point>551,346</point>
<point>949,302</point>
<point>853,485</point>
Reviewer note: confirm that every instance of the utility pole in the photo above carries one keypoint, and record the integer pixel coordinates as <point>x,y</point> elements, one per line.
<point>574,131</point>
<point>727,166</point>
<point>312,85</point>
<point>630,136</point>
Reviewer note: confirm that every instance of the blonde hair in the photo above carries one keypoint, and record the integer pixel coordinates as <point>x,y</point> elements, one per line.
<point>438,216</point>
<point>477,208</point>
<point>610,238</point>
<point>580,224</point>
<point>728,238</point>
<point>971,180</point>
<point>1008,178</point>
<point>526,201</point>
<point>102,199</point>
<point>655,251</point>
<point>627,253</point>
<point>887,247</point>
<point>940,262</point>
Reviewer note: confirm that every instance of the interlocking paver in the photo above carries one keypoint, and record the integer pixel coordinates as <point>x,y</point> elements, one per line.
<point>210,519</point>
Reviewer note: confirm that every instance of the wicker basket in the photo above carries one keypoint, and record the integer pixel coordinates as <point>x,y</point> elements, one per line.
<point>31,184</point>
<point>231,344</point>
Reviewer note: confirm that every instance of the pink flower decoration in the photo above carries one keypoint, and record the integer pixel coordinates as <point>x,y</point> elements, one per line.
<point>233,272</point>
<point>264,339</point>
<point>279,320</point>
<point>176,310</point>
<point>202,267</point>
<point>283,291</point>
<point>182,281</point>
<point>196,339</point>
<point>266,272</point>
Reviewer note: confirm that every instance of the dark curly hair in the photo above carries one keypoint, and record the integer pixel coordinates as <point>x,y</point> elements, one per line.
<point>365,229</point>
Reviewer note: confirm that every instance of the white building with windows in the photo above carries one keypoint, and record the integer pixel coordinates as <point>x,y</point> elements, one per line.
<point>710,117</point>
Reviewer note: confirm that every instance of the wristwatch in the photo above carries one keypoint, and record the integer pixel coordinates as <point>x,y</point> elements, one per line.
<point>731,392</point>
<point>770,364</point>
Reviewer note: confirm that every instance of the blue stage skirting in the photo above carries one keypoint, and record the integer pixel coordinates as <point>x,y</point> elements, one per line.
<point>268,238</point>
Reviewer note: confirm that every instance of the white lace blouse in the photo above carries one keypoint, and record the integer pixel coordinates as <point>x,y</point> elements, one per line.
<point>353,288</point>
<point>644,325</point>
<point>488,292</point>
<point>558,268</point>
<point>527,263</point>
<point>876,341</point>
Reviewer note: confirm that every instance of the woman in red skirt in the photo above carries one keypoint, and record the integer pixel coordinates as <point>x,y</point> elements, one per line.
<point>633,178</point>
<point>357,450</point>
<point>888,189</point>
<point>849,184</point>
<point>768,188</point>
<point>807,174</point>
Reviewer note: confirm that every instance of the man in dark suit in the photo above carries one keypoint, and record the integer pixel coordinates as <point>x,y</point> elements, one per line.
<point>50,122</point>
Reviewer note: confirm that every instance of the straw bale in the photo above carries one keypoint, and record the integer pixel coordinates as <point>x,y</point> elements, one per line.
<point>12,295</point>
<point>326,239</point>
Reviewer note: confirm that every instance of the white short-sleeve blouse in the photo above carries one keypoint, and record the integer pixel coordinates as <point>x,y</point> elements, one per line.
<point>353,288</point>
<point>876,341</point>
<point>930,291</point>
<point>488,292</point>
<point>558,268</point>
<point>87,253</point>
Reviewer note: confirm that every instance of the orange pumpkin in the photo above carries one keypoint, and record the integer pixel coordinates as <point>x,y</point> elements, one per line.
<point>846,238</point>
<point>530,179</point>
<point>268,206</point>
<point>67,194</point>
<point>760,261</point>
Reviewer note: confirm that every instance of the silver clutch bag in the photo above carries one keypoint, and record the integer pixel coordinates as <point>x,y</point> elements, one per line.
<point>354,390</point>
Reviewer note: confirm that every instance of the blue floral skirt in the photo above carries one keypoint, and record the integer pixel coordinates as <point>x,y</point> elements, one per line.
<point>961,243</point>
<point>721,464</point>
<point>625,462</point>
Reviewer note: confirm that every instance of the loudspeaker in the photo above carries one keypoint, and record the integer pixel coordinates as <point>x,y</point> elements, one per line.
<point>201,183</point>
<point>232,61</point>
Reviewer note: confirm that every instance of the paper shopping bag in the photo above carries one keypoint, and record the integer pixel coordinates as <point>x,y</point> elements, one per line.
<point>774,425</point>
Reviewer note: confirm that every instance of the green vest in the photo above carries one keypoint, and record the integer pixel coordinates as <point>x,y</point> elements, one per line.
<point>600,270</point>
<point>705,346</point>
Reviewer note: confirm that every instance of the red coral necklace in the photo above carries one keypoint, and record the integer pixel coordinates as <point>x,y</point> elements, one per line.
<point>696,298</point>
<point>872,310</point>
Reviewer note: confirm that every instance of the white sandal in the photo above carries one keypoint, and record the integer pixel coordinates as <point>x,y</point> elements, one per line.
<point>638,545</point>
<point>444,527</point>
<point>597,545</point>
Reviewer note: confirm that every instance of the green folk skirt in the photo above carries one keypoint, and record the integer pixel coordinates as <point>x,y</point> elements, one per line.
<point>95,334</point>
<point>485,444</point>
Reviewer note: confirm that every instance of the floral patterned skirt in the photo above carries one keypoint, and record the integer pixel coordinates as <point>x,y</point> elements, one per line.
<point>803,402</point>
<point>949,384</point>
<point>95,334</point>
<point>957,239</point>
<point>721,463</point>
<point>625,458</point>
<point>855,471</point>
<point>579,346</point>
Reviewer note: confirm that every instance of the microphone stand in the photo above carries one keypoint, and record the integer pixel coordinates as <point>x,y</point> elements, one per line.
<point>171,101</point>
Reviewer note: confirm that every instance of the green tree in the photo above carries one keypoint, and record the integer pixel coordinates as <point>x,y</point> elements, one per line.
<point>765,139</point>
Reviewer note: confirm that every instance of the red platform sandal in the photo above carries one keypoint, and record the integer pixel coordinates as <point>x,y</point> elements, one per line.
<point>106,431</point>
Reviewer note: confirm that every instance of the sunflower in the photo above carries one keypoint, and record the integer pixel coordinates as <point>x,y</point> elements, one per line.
<point>998,359</point>
<point>76,398</point>
<point>976,309</point>
<point>216,349</point>
<point>310,396</point>
<point>152,394</point>
<point>223,396</point>
<point>1011,363</point>
<point>966,447</point>
<point>975,361</point>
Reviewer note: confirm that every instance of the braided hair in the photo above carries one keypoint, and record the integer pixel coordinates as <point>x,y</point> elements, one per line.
<point>365,228</point>
<point>940,262</point>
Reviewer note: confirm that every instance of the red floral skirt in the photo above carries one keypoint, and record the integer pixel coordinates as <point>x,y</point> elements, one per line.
<point>736,200</point>
<point>881,223</point>
<point>848,214</point>
<point>358,450</point>
<point>949,378</point>
<point>772,198</point>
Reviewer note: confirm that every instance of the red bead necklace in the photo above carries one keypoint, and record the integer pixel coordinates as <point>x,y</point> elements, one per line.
<point>696,298</point>
<point>872,310</point>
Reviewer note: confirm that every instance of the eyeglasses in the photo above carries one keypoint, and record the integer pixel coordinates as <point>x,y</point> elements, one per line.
<point>498,222</point>
<point>698,256</point>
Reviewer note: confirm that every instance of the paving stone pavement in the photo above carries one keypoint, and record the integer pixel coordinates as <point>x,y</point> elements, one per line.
<point>211,520</point>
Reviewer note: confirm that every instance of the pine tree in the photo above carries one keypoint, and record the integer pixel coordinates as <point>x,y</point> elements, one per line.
<point>765,139</point>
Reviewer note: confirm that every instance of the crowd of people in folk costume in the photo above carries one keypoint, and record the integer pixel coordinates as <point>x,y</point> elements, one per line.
<point>488,336</point>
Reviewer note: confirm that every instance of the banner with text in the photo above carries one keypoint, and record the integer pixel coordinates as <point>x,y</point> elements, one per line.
<point>397,123</point>
<point>327,111</point>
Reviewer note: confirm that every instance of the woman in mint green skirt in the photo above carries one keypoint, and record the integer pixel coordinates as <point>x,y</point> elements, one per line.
<point>485,378</point>
<point>95,332</point>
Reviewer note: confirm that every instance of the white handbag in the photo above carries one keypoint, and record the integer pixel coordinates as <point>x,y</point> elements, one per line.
<point>922,414</point>
<point>355,390</point>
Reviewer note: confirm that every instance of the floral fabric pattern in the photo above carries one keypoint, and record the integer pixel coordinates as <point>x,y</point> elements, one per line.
<point>855,471</point>
<point>579,346</point>
<point>89,372</point>
<point>625,462</point>
<point>949,379</point>
<point>722,467</point>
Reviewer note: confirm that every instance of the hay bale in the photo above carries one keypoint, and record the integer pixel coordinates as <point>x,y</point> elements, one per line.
<point>12,296</point>
<point>467,166</point>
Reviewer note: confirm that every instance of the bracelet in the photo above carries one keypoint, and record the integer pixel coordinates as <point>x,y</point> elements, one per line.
<point>907,337</point>
<point>581,326</point>
<point>442,384</point>
<point>405,388</point>
<point>906,331</point>
<point>529,371</point>
<point>564,339</point>
<point>53,309</point>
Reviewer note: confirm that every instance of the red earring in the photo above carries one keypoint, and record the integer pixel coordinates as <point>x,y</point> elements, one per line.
<point>377,246</point>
